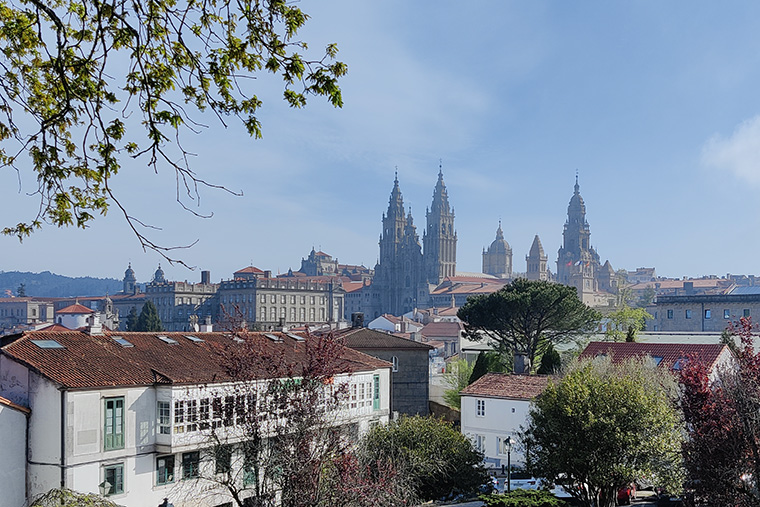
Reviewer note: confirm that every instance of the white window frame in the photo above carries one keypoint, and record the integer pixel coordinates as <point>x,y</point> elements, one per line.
<point>480,408</point>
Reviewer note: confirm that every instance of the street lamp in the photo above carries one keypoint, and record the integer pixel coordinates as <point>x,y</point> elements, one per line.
<point>509,442</point>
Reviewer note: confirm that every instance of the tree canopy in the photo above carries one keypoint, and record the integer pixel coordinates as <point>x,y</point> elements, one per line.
<point>604,425</point>
<point>435,457</point>
<point>722,452</point>
<point>86,84</point>
<point>148,320</point>
<point>525,316</point>
<point>626,322</point>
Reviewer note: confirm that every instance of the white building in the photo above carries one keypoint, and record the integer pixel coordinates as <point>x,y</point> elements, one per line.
<point>494,407</point>
<point>127,414</point>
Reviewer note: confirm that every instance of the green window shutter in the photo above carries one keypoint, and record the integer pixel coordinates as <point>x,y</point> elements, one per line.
<point>376,392</point>
<point>113,428</point>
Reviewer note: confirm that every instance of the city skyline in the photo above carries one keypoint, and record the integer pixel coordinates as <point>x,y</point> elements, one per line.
<point>654,106</point>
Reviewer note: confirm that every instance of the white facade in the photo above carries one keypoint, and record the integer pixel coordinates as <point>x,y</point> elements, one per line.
<point>488,422</point>
<point>12,450</point>
<point>88,438</point>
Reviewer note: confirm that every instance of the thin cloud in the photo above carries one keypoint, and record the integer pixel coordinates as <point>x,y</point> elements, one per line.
<point>739,153</point>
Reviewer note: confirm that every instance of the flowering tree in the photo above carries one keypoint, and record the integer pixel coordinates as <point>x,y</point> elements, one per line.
<point>722,453</point>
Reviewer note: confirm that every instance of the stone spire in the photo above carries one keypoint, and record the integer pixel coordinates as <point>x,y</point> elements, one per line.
<point>536,261</point>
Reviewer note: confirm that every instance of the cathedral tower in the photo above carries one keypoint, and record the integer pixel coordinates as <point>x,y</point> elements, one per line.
<point>536,261</point>
<point>399,284</point>
<point>577,261</point>
<point>497,260</point>
<point>440,238</point>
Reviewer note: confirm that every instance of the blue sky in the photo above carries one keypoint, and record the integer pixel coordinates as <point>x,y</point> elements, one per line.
<point>655,104</point>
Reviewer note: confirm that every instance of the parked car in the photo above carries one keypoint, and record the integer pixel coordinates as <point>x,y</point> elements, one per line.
<point>522,480</point>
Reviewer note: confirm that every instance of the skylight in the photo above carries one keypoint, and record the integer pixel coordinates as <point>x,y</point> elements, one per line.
<point>657,360</point>
<point>121,341</point>
<point>166,339</point>
<point>679,364</point>
<point>272,337</point>
<point>194,338</point>
<point>48,344</point>
<point>296,337</point>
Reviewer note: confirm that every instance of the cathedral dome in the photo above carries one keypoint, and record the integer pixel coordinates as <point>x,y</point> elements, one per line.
<point>129,274</point>
<point>500,244</point>
<point>158,276</point>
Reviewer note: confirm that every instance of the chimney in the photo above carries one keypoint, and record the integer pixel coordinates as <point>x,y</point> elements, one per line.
<point>268,274</point>
<point>207,327</point>
<point>688,287</point>
<point>357,319</point>
<point>206,277</point>
<point>522,363</point>
<point>94,327</point>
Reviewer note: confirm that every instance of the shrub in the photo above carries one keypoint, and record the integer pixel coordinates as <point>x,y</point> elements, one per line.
<point>523,498</point>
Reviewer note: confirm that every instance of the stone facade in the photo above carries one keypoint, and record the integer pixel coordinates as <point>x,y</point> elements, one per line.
<point>497,259</point>
<point>536,262</point>
<point>440,239</point>
<point>702,313</point>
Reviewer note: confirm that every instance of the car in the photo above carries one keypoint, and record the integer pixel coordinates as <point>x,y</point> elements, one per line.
<point>523,480</point>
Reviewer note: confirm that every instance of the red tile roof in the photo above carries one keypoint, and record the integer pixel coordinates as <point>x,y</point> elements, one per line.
<point>75,309</point>
<point>91,361</point>
<point>442,329</point>
<point>669,352</point>
<point>507,385</point>
<point>249,269</point>
<point>365,339</point>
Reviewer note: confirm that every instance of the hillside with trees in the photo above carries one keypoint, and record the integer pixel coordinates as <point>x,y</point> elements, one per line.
<point>47,284</point>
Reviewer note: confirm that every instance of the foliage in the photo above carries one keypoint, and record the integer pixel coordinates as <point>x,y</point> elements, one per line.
<point>63,497</point>
<point>488,362</point>
<point>605,424</point>
<point>436,458</point>
<point>626,322</point>
<point>526,315</point>
<point>551,362</point>
<point>86,84</point>
<point>647,297</point>
<point>287,443</point>
<point>47,284</point>
<point>21,291</point>
<point>132,319</point>
<point>457,377</point>
<point>523,498</point>
<point>149,321</point>
<point>723,423</point>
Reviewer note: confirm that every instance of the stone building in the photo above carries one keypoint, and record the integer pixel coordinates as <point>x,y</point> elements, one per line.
<point>497,259</point>
<point>181,305</point>
<point>578,262</point>
<point>263,302</point>
<point>404,274</point>
<point>411,364</point>
<point>704,312</point>
<point>319,264</point>
<point>536,262</point>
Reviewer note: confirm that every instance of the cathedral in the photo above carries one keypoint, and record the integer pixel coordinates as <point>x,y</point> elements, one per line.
<point>578,262</point>
<point>405,273</point>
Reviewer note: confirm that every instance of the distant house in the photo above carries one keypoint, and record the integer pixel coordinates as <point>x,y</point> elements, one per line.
<point>393,324</point>
<point>447,332</point>
<point>493,409</point>
<point>666,355</point>
<point>128,414</point>
<point>410,360</point>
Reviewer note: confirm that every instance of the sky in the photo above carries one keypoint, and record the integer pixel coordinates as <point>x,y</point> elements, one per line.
<point>655,106</point>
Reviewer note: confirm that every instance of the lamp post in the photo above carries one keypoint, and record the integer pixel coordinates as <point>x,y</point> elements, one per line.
<point>509,442</point>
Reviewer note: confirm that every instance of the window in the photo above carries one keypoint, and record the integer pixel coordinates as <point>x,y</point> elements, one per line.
<point>503,445</point>
<point>376,392</point>
<point>204,414</point>
<point>303,300</point>
<point>353,396</point>
<point>394,360</point>
<point>273,299</point>
<point>312,299</point>
<point>273,313</point>
<point>708,314</point>
<point>322,314</point>
<point>164,470</point>
<point>726,314</point>
<point>283,299</point>
<point>223,459</point>
<point>688,314</point>
<point>311,314</point>
<point>263,313</point>
<point>179,416</point>
<point>480,442</point>
<point>164,417</point>
<point>670,314</point>
<point>302,314</point>
<point>263,298</point>
<point>481,411</point>
<point>192,415</point>
<point>113,478</point>
<point>292,314</point>
<point>292,300</point>
<point>190,463</point>
<point>114,424</point>
<point>746,312</point>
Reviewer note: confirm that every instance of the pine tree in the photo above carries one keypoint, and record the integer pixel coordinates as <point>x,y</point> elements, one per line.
<point>149,321</point>
<point>21,291</point>
<point>550,362</point>
<point>132,319</point>
<point>480,368</point>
